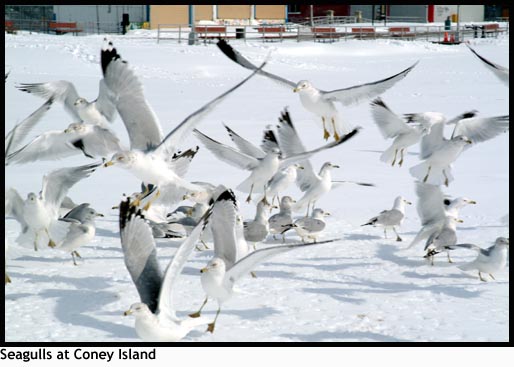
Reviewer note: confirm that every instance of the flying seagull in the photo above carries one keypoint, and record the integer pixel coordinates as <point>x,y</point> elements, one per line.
<point>320,102</point>
<point>500,72</point>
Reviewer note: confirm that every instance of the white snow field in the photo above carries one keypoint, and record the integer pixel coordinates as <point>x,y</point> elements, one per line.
<point>361,288</point>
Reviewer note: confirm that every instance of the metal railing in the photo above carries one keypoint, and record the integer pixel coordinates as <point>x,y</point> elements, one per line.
<point>296,32</point>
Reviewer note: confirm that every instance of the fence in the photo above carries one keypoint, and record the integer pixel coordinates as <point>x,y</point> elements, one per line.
<point>43,26</point>
<point>183,33</point>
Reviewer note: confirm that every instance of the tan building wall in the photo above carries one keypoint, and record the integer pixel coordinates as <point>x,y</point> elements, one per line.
<point>270,12</point>
<point>203,12</point>
<point>168,14</point>
<point>234,11</point>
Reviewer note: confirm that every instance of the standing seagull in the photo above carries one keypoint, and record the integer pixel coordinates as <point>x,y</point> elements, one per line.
<point>489,260</point>
<point>320,102</point>
<point>311,227</point>
<point>257,230</point>
<point>279,222</point>
<point>75,229</point>
<point>224,269</point>
<point>438,153</point>
<point>391,125</point>
<point>499,71</point>
<point>156,319</point>
<point>442,240</point>
<point>391,218</point>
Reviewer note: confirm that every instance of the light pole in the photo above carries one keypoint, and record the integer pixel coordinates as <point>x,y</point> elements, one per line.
<point>312,15</point>
<point>457,34</point>
<point>192,35</point>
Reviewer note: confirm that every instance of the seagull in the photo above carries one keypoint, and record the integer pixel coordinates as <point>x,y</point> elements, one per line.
<point>433,208</point>
<point>38,212</point>
<point>16,135</point>
<point>226,267</point>
<point>283,219</point>
<point>489,260</point>
<point>500,72</point>
<point>311,227</point>
<point>443,239</point>
<point>320,102</point>
<point>257,230</point>
<point>438,153</point>
<point>390,218</point>
<point>151,165</point>
<point>281,181</point>
<point>98,112</point>
<point>93,141</point>
<point>391,126</point>
<point>313,185</point>
<point>156,319</point>
<point>75,229</point>
<point>262,168</point>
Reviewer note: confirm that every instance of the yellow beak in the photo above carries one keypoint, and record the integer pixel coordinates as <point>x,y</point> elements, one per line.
<point>107,164</point>
<point>472,202</point>
<point>296,90</point>
<point>126,313</point>
<point>204,270</point>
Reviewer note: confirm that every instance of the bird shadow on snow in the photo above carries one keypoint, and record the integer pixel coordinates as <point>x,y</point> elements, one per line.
<point>92,283</point>
<point>341,335</point>
<point>361,237</point>
<point>73,305</point>
<point>339,294</point>
<point>102,232</point>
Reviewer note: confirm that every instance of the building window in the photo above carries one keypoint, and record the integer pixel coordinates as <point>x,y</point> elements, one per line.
<point>293,9</point>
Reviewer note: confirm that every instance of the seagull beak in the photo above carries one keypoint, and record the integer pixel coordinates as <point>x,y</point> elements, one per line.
<point>204,270</point>
<point>335,166</point>
<point>460,221</point>
<point>66,131</point>
<point>408,202</point>
<point>107,164</point>
<point>327,214</point>
<point>274,207</point>
<point>100,215</point>
<point>128,312</point>
<point>469,141</point>
<point>472,202</point>
<point>296,90</point>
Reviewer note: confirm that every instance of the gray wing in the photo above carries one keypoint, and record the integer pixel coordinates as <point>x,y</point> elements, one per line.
<point>180,161</point>
<point>430,205</point>
<point>244,145</point>
<point>57,183</point>
<point>140,254</point>
<point>249,262</point>
<point>390,217</point>
<point>21,130</point>
<point>389,124</point>
<point>172,140</point>
<point>167,294</point>
<point>105,103</point>
<point>235,56</point>
<point>142,125</point>
<point>357,93</point>
<point>100,142</point>
<point>311,224</point>
<point>501,72</point>
<point>60,90</point>
<point>14,207</point>
<point>480,129</point>
<point>471,246</point>
<point>304,155</point>
<point>226,153</point>
<point>431,141</point>
<point>223,223</point>
<point>290,145</point>
<point>78,212</point>
<point>47,146</point>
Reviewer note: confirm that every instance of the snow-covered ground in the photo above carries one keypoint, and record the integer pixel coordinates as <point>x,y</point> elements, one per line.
<point>361,288</point>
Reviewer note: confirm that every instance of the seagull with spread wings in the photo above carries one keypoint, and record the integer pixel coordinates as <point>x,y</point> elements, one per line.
<point>320,102</point>
<point>438,153</point>
<point>156,318</point>
<point>262,165</point>
<point>228,266</point>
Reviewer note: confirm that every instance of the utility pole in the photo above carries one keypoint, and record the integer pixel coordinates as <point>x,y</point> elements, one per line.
<point>457,34</point>
<point>192,35</point>
<point>312,15</point>
<point>372,14</point>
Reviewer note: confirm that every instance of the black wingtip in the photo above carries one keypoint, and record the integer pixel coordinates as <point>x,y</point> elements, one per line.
<point>378,102</point>
<point>227,195</point>
<point>227,49</point>
<point>107,56</point>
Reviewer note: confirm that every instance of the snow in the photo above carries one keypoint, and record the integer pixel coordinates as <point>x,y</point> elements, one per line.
<point>361,288</point>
